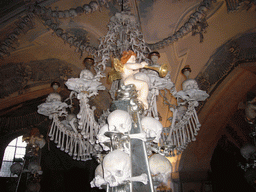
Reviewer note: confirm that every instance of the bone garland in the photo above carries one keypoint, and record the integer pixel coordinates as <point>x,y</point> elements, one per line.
<point>51,132</point>
<point>195,19</point>
<point>75,148</point>
<point>67,141</point>
<point>72,12</point>
<point>56,135</point>
<point>63,140</point>
<point>60,138</point>
<point>24,24</point>
<point>81,46</point>
<point>86,119</point>
<point>71,147</point>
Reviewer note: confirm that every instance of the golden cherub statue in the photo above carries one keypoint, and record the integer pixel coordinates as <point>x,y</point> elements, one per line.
<point>129,70</point>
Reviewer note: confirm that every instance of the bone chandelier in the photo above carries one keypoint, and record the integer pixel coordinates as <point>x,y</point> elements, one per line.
<point>129,132</point>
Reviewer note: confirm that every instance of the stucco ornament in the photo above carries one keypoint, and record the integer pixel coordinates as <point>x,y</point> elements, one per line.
<point>248,151</point>
<point>160,168</point>
<point>52,106</point>
<point>152,127</point>
<point>120,121</point>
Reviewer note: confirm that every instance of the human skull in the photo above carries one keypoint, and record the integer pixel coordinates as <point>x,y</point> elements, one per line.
<point>40,142</point>
<point>250,112</point>
<point>87,9</point>
<point>33,186</point>
<point>102,138</point>
<point>16,168</point>
<point>52,97</point>
<point>189,84</point>
<point>152,127</point>
<point>248,151</point>
<point>99,170</point>
<point>79,10</point>
<point>72,12</point>
<point>117,167</point>
<point>160,168</point>
<point>59,32</point>
<point>86,74</point>
<point>34,167</point>
<point>61,14</point>
<point>94,5</point>
<point>120,120</point>
<point>98,181</point>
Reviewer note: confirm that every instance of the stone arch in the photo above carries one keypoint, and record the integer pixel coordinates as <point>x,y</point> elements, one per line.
<point>228,75</point>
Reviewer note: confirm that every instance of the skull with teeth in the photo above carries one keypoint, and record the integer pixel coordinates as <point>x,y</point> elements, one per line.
<point>120,121</point>
<point>98,181</point>
<point>117,167</point>
<point>102,138</point>
<point>152,127</point>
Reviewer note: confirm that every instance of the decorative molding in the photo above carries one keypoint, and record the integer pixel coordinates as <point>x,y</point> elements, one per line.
<point>20,77</point>
<point>226,59</point>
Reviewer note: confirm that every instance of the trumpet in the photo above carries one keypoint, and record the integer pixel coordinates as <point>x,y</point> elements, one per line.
<point>162,70</point>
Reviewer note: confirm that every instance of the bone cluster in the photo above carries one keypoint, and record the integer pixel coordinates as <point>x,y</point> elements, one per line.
<point>76,133</point>
<point>115,168</point>
<point>123,34</point>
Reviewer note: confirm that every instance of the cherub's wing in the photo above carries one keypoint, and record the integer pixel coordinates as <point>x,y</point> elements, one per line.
<point>118,66</point>
<point>114,75</point>
<point>115,72</point>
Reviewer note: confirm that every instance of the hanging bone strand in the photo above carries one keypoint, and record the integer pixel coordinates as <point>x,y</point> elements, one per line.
<point>87,123</point>
<point>53,126</point>
<point>123,34</point>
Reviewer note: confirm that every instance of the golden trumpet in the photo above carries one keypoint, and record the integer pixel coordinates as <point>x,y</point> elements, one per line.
<point>162,70</point>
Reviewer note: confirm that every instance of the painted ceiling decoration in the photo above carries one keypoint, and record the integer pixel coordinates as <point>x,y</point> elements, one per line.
<point>195,22</point>
<point>34,73</point>
<point>227,58</point>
